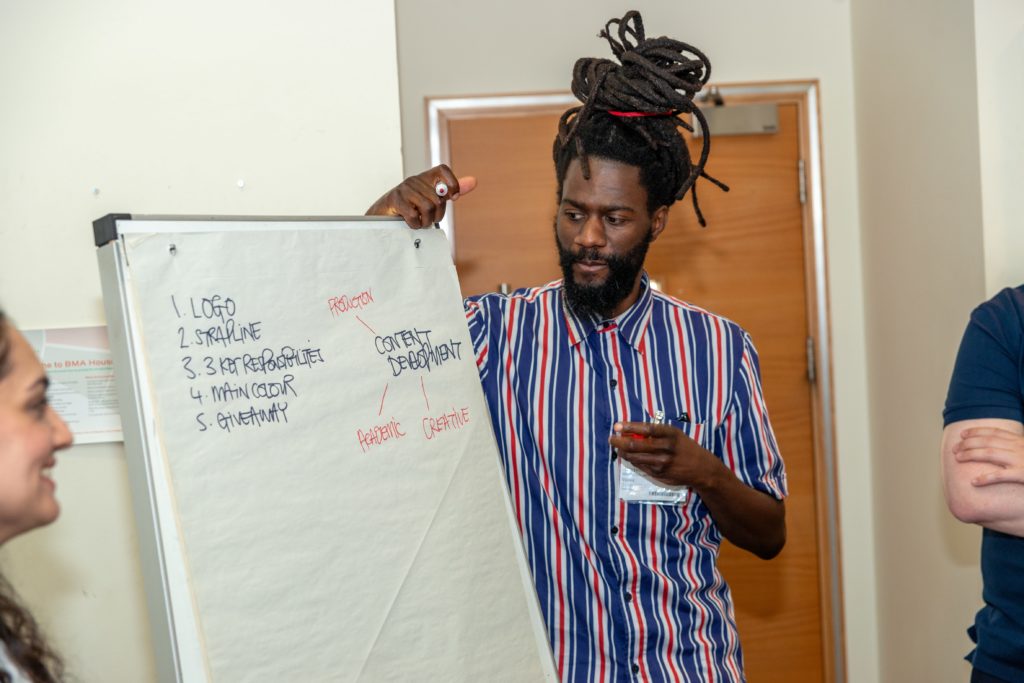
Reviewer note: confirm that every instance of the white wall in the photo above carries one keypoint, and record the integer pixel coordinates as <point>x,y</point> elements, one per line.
<point>999,41</point>
<point>917,131</point>
<point>530,45</point>
<point>163,107</point>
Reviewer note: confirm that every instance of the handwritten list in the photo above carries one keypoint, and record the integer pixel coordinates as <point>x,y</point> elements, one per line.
<point>235,381</point>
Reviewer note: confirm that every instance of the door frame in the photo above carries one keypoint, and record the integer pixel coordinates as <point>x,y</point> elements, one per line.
<point>441,110</point>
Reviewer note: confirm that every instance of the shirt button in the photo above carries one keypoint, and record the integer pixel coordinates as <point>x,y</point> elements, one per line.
<point>614,383</point>
<point>629,597</point>
<point>636,668</point>
<point>615,529</point>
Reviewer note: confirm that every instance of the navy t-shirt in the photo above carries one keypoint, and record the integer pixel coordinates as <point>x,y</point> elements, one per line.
<point>988,382</point>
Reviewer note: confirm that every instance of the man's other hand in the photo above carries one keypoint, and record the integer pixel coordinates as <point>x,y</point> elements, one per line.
<point>665,453</point>
<point>749,518</point>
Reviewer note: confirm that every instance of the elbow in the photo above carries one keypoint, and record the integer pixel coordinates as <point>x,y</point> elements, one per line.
<point>965,509</point>
<point>772,543</point>
<point>963,501</point>
<point>773,546</point>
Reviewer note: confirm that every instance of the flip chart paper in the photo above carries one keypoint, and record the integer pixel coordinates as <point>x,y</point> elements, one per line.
<point>335,479</point>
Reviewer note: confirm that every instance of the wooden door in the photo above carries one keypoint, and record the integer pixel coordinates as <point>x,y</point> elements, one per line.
<point>751,265</point>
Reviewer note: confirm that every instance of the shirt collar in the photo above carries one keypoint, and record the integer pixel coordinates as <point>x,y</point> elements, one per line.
<point>631,323</point>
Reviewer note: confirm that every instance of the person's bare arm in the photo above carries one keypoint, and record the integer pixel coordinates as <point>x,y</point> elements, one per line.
<point>983,472</point>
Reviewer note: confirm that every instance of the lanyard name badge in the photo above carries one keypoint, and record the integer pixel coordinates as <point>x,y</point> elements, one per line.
<point>636,487</point>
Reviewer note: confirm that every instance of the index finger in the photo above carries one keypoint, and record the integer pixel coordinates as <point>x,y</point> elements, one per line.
<point>642,429</point>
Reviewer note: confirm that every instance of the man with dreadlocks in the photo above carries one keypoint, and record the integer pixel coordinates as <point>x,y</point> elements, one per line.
<point>598,365</point>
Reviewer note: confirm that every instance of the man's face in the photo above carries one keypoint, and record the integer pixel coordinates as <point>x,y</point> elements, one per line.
<point>603,230</point>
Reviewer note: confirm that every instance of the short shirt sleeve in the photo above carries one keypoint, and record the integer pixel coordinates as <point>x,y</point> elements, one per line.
<point>987,379</point>
<point>745,439</point>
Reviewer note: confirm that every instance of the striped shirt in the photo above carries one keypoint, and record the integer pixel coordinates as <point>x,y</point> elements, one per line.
<point>628,591</point>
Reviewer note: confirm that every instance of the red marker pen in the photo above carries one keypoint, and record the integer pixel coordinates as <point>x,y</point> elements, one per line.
<point>659,419</point>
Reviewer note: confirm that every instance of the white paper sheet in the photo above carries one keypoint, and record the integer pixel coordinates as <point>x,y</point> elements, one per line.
<point>335,477</point>
<point>82,388</point>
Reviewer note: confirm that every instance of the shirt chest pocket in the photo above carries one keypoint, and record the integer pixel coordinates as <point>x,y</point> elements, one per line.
<point>675,412</point>
<point>687,417</point>
<point>698,430</point>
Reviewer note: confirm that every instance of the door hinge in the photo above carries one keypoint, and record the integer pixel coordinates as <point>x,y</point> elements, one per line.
<point>802,176</point>
<point>812,373</point>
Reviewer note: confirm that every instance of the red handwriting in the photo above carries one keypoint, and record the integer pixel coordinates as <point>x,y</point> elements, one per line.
<point>344,303</point>
<point>449,421</point>
<point>378,434</point>
<point>365,325</point>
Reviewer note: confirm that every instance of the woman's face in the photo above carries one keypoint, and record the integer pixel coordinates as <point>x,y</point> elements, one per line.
<point>30,432</point>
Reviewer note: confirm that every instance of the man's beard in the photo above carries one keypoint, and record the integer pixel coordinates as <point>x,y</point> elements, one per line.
<point>597,301</point>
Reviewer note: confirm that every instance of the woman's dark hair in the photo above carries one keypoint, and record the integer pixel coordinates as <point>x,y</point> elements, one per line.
<point>5,346</point>
<point>25,644</point>
<point>18,630</point>
<point>630,112</point>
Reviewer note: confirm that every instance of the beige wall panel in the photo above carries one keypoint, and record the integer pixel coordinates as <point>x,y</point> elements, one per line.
<point>923,272</point>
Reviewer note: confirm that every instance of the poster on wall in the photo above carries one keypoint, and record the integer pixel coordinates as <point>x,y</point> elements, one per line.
<point>82,388</point>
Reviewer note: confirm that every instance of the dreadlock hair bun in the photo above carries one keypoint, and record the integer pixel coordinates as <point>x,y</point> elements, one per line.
<point>630,109</point>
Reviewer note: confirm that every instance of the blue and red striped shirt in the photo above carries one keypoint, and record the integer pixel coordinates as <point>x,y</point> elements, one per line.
<point>627,590</point>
